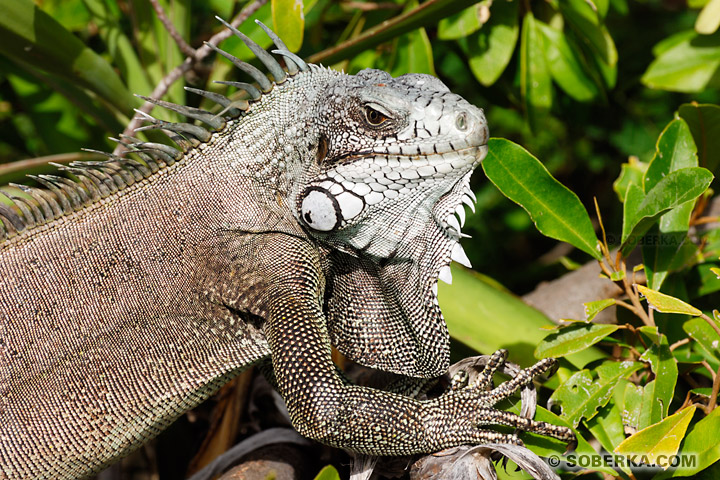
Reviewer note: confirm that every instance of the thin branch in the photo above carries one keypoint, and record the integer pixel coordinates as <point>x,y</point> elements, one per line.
<point>170,27</point>
<point>63,158</point>
<point>635,300</point>
<point>711,322</point>
<point>175,74</point>
<point>679,343</point>
<point>704,220</point>
<point>707,366</point>
<point>714,393</point>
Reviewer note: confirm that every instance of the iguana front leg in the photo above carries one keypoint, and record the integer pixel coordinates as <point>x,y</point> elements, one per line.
<point>364,420</point>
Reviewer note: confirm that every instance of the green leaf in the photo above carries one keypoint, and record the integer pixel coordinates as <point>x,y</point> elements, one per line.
<point>120,47</point>
<point>659,441</point>
<point>660,390</point>
<point>706,339</point>
<point>478,311</point>
<point>535,80</point>
<point>427,13</point>
<point>634,197</point>
<point>709,19</point>
<point>289,22</point>
<point>328,473</point>
<point>587,25</point>
<point>566,65</point>
<point>690,66</point>
<point>704,123</point>
<point>491,49</point>
<point>631,399</point>
<point>573,338</point>
<point>30,36</point>
<point>556,211</point>
<point>667,304</point>
<point>702,442</point>
<point>414,53</point>
<point>676,188</point>
<point>581,395</point>
<point>675,150</point>
<point>593,308</point>
<point>607,426</point>
<point>716,271</point>
<point>463,23</point>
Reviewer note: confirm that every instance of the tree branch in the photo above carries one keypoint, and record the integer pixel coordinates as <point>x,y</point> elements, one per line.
<point>170,27</point>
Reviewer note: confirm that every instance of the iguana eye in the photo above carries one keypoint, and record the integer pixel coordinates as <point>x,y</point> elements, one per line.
<point>374,117</point>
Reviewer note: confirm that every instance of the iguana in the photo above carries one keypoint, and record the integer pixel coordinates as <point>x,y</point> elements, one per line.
<point>321,211</point>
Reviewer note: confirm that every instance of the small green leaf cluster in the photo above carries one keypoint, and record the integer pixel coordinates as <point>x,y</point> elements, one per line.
<point>656,393</point>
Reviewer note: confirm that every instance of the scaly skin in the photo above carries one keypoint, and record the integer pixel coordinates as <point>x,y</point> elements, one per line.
<point>318,216</point>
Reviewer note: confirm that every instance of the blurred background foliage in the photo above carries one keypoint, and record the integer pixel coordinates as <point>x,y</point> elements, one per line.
<point>581,84</point>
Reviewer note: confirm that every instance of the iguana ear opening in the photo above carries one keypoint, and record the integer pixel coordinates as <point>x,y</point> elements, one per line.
<point>385,316</point>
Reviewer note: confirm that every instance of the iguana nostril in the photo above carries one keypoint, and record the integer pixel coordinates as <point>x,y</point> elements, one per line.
<point>461,121</point>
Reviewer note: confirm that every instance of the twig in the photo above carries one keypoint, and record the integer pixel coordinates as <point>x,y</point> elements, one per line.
<point>679,343</point>
<point>370,6</point>
<point>713,395</point>
<point>170,27</point>
<point>704,220</point>
<point>707,366</point>
<point>634,299</point>
<point>711,322</point>
<point>63,158</point>
<point>202,52</point>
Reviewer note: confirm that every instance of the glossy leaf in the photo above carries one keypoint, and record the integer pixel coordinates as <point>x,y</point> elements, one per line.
<point>581,395</point>
<point>704,123</point>
<point>667,304</point>
<point>289,22</point>
<point>491,48</point>
<point>688,67</point>
<point>566,65</point>
<point>705,338</point>
<point>556,211</point>
<point>535,80</point>
<point>660,390</point>
<point>573,338</point>
<point>659,441</point>
<point>463,23</point>
<point>676,188</point>
<point>414,53</point>
<point>32,37</point>
<point>120,47</point>
<point>607,426</point>
<point>328,473</point>
<point>702,442</point>
<point>587,25</point>
<point>675,150</point>
<point>593,308</point>
<point>631,172</point>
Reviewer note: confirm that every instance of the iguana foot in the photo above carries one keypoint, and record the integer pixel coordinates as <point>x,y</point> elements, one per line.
<point>472,380</point>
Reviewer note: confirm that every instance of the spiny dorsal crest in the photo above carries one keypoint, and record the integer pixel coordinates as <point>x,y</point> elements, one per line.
<point>32,207</point>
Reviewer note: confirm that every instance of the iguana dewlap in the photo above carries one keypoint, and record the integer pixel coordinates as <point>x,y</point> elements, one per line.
<point>319,213</point>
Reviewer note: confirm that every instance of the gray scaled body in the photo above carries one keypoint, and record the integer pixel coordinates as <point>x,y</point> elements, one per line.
<point>319,213</point>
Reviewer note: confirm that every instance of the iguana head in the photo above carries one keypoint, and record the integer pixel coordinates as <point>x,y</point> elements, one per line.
<point>386,193</point>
